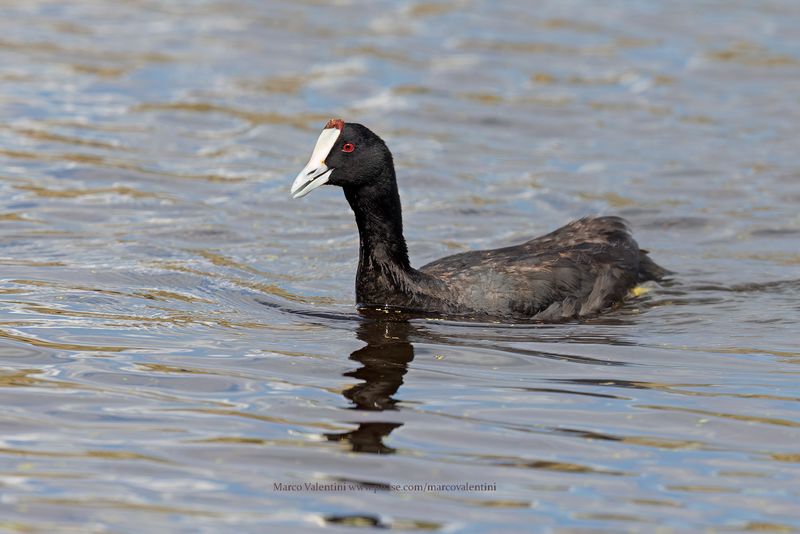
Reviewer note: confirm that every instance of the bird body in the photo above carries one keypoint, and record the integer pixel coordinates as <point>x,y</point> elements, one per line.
<point>579,270</point>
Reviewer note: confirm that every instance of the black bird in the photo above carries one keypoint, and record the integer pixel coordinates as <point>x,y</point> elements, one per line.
<point>579,270</point>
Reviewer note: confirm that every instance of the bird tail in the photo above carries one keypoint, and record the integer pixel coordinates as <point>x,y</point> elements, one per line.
<point>650,270</point>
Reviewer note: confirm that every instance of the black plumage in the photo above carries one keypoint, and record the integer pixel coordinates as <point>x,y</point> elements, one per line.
<point>579,270</point>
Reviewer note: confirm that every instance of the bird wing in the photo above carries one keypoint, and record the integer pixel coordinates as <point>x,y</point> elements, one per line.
<point>575,271</point>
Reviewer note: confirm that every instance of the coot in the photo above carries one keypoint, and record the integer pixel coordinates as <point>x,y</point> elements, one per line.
<point>579,270</point>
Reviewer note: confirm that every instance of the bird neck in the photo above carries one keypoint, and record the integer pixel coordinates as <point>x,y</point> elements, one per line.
<point>379,217</point>
<point>385,276</point>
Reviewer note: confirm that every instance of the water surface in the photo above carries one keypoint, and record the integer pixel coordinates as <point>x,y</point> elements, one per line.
<point>177,336</point>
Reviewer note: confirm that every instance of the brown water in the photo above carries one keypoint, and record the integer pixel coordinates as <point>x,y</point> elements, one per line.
<point>177,336</point>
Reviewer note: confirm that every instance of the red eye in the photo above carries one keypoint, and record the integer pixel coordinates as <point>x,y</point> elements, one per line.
<point>348,147</point>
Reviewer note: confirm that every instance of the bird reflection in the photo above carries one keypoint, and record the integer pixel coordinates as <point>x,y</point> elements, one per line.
<point>384,361</point>
<point>388,351</point>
